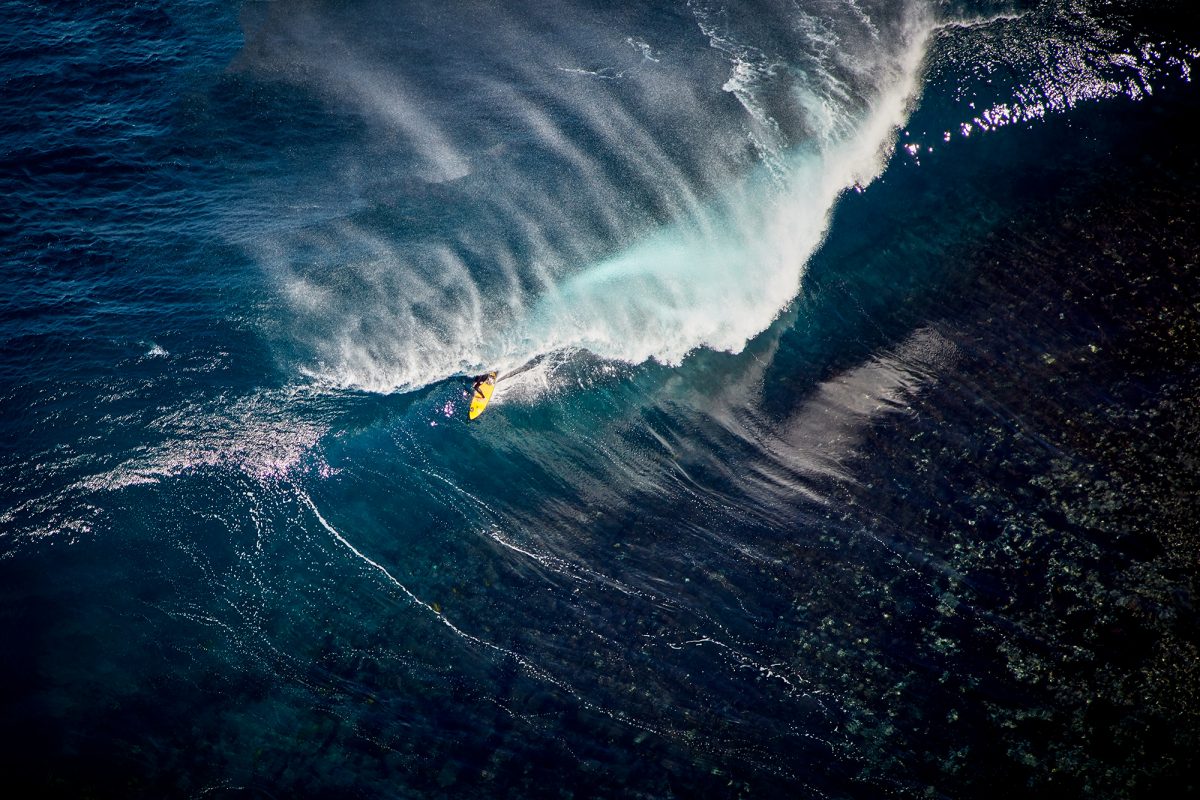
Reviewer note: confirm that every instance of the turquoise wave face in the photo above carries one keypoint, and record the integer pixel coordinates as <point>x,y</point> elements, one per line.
<point>842,445</point>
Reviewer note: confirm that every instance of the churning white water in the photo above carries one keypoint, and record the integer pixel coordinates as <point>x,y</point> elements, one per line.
<point>598,186</point>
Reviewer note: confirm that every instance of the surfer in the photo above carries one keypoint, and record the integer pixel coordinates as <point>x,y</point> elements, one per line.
<point>480,381</point>
<point>484,386</point>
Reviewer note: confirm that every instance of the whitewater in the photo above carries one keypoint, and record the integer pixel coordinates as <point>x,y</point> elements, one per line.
<point>664,215</point>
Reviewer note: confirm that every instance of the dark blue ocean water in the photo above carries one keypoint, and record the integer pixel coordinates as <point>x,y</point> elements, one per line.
<point>845,447</point>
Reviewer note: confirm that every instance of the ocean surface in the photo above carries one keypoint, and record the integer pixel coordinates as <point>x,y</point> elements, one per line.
<point>847,442</point>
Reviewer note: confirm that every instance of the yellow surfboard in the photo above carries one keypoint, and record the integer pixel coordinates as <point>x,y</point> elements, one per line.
<point>482,394</point>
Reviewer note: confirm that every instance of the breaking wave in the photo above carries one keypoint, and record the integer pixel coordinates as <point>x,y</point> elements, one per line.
<point>638,201</point>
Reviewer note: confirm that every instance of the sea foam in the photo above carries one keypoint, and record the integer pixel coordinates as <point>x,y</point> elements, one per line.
<point>637,219</point>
